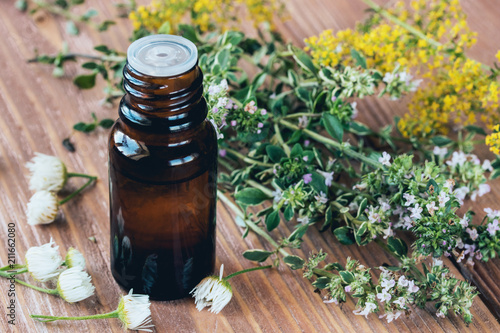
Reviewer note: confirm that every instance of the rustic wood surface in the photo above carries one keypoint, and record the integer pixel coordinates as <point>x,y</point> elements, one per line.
<point>38,111</point>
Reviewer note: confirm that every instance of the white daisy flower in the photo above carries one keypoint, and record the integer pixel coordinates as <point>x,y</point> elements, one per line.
<point>133,311</point>
<point>214,292</point>
<point>74,258</point>
<point>74,285</point>
<point>43,262</point>
<point>47,173</point>
<point>42,208</point>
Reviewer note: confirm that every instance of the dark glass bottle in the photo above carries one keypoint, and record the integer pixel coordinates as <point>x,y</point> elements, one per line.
<point>162,172</point>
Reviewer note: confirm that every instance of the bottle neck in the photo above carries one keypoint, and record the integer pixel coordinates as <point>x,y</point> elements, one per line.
<point>163,104</point>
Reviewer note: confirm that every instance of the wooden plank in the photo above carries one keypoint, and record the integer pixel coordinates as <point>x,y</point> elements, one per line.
<point>37,112</point>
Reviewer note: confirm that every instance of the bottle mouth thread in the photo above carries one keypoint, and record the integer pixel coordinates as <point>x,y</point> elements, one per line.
<point>162,55</point>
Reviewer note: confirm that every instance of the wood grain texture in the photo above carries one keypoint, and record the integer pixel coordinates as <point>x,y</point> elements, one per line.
<point>38,111</point>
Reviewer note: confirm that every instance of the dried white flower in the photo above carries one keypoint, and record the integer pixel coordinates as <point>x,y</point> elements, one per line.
<point>43,262</point>
<point>74,285</point>
<point>74,258</point>
<point>47,173</point>
<point>133,311</point>
<point>42,208</point>
<point>214,292</point>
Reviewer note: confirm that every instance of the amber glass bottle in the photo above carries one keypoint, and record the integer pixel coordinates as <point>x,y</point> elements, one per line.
<point>162,172</point>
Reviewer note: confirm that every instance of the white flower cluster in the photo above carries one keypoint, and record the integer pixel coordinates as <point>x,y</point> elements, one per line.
<point>398,82</point>
<point>469,169</point>
<point>44,263</point>
<point>48,176</point>
<point>396,293</point>
<point>351,82</point>
<point>218,105</point>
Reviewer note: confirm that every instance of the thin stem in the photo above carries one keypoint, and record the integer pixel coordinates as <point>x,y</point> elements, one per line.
<point>12,267</point>
<point>339,146</point>
<point>72,195</point>
<point>26,284</point>
<point>248,159</point>
<point>302,114</point>
<point>250,224</point>
<point>113,314</point>
<point>247,270</point>
<point>280,139</point>
<point>386,249</point>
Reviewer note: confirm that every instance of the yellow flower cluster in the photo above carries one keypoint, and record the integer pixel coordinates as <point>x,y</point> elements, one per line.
<point>207,15</point>
<point>493,140</point>
<point>457,91</point>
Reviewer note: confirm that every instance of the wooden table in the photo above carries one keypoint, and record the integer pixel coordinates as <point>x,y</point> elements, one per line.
<point>38,111</point>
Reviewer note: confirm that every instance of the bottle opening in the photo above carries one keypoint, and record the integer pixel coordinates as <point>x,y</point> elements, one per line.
<point>162,55</point>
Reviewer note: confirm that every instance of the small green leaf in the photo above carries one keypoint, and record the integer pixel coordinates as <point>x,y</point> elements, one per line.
<point>165,28</point>
<point>321,282</point>
<point>222,58</point>
<point>296,151</point>
<point>187,31</point>
<point>298,233</point>
<point>318,183</point>
<point>475,129</point>
<point>360,129</point>
<point>360,60</point>
<point>85,81</point>
<point>288,213</point>
<point>362,207</point>
<point>71,28</point>
<point>90,65</point>
<point>275,153</point>
<point>257,255</point>
<point>441,140</point>
<point>295,262</point>
<point>106,123</point>
<point>495,174</point>
<point>304,60</point>
<point>347,276</point>
<point>80,127</point>
<point>303,94</point>
<point>272,220</point>
<point>397,246</point>
<point>89,14</point>
<point>333,126</point>
<point>21,5</point>
<point>68,145</point>
<point>103,49</point>
<point>344,235</point>
<point>76,2</point>
<point>104,25</point>
<point>251,196</point>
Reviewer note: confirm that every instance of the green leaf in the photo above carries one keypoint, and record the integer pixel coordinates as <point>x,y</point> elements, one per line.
<point>103,49</point>
<point>275,153</point>
<point>259,80</point>
<point>68,145</point>
<point>304,60</point>
<point>347,277</point>
<point>298,233</point>
<point>344,235</point>
<point>187,31</point>
<point>104,25</point>
<point>360,60</point>
<point>303,94</point>
<point>21,5</point>
<point>360,129</point>
<point>80,127</point>
<point>295,262</point>
<point>362,207</point>
<point>89,14</point>
<point>106,123</point>
<point>441,140</point>
<point>71,28</point>
<point>475,129</point>
<point>321,282</point>
<point>165,28</point>
<point>222,58</point>
<point>272,220</point>
<point>251,196</point>
<point>257,255</point>
<point>288,213</point>
<point>318,183</point>
<point>76,2</point>
<point>85,81</point>
<point>296,151</point>
<point>90,65</point>
<point>495,174</point>
<point>397,246</point>
<point>333,126</point>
